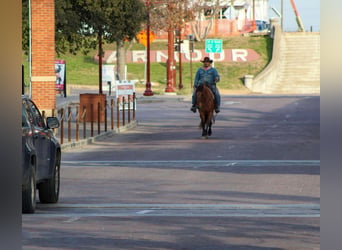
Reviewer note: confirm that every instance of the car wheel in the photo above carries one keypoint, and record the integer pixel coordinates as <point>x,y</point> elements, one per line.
<point>49,190</point>
<point>29,194</point>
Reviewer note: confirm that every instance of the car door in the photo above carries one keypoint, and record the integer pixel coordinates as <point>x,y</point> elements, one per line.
<point>41,139</point>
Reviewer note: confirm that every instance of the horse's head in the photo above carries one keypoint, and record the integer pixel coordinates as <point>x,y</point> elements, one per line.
<point>204,85</point>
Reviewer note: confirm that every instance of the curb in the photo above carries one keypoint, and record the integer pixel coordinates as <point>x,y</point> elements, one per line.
<point>90,140</point>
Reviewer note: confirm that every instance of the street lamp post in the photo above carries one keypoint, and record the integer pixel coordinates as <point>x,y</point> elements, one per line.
<point>246,5</point>
<point>170,60</point>
<point>148,90</point>
<point>179,42</point>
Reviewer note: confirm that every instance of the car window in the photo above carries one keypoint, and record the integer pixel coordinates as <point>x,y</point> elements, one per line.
<point>24,118</point>
<point>34,114</point>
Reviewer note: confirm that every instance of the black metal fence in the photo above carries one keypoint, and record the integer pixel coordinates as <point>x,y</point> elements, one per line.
<point>75,124</point>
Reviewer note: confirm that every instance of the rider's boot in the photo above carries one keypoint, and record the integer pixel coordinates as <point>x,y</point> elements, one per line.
<point>217,109</point>
<point>193,108</point>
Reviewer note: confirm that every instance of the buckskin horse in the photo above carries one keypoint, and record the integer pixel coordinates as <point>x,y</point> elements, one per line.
<point>206,105</point>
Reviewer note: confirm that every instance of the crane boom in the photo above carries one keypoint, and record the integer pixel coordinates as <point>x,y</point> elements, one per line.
<point>298,19</point>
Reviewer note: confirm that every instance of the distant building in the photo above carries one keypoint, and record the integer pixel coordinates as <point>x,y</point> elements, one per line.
<point>234,17</point>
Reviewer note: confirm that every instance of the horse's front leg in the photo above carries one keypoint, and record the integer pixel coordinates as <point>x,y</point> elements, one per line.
<point>204,131</point>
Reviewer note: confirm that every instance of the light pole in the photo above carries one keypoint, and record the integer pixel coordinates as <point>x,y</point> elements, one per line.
<point>254,22</point>
<point>179,44</point>
<point>246,5</point>
<point>148,90</point>
<point>170,60</point>
<point>171,65</point>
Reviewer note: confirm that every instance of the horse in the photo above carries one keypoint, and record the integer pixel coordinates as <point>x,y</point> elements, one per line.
<point>206,105</point>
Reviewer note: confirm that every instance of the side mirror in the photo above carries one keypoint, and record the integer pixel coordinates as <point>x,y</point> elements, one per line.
<point>52,122</point>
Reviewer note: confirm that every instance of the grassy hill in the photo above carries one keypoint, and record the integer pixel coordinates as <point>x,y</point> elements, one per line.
<point>82,70</point>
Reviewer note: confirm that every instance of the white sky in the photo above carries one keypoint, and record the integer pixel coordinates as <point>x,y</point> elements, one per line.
<point>309,11</point>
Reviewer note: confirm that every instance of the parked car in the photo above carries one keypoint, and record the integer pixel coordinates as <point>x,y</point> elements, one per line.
<point>41,157</point>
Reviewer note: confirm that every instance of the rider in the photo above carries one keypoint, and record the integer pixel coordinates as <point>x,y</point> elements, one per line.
<point>209,75</point>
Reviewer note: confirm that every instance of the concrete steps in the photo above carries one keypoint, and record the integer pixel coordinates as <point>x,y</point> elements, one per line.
<point>299,70</point>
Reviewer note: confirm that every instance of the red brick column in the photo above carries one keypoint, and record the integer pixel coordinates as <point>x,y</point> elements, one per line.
<point>43,54</point>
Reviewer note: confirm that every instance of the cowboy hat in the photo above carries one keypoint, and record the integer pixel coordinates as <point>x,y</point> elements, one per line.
<point>207,59</point>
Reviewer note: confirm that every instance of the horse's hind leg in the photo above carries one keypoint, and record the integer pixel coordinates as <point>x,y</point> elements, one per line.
<point>209,129</point>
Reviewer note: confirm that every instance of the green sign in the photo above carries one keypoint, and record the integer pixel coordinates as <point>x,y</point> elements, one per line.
<point>213,46</point>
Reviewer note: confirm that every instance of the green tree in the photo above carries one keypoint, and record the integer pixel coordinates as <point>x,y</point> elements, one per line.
<point>125,22</point>
<point>81,25</point>
<point>111,21</point>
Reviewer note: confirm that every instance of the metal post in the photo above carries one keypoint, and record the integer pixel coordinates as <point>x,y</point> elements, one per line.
<point>100,63</point>
<point>91,120</point>
<point>134,105</point>
<point>105,114</point>
<point>77,124</point>
<point>84,116</point>
<point>170,60</point>
<point>98,118</point>
<point>282,15</point>
<point>62,125</point>
<point>118,113</point>
<point>69,124</point>
<point>180,85</point>
<point>112,113</point>
<point>123,111</point>
<point>129,109</point>
<point>148,91</point>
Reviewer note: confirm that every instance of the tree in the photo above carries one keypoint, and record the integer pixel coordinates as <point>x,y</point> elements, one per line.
<point>169,15</point>
<point>111,21</point>
<point>126,18</point>
<point>204,10</point>
<point>81,25</point>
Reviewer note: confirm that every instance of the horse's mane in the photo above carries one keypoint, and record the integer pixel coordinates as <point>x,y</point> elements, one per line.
<point>205,94</point>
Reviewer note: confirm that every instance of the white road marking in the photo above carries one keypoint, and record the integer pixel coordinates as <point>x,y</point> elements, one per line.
<point>76,211</point>
<point>72,219</point>
<point>230,103</point>
<point>194,163</point>
<point>144,211</point>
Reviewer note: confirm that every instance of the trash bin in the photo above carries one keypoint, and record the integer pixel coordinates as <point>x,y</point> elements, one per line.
<point>87,99</point>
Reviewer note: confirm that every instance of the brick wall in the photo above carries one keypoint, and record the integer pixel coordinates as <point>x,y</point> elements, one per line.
<point>43,54</point>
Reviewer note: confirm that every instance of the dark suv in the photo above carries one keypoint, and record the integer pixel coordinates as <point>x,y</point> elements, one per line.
<point>41,157</point>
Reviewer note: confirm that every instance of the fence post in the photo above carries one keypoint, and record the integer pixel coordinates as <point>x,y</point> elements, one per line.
<point>69,124</point>
<point>105,111</point>
<point>133,105</point>
<point>62,125</point>
<point>98,118</point>
<point>118,112</point>
<point>77,124</point>
<point>112,113</point>
<point>123,111</point>
<point>129,109</point>
<point>91,119</point>
<point>84,116</point>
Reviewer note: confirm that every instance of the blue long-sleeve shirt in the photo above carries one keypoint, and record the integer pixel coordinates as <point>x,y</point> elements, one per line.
<point>209,75</point>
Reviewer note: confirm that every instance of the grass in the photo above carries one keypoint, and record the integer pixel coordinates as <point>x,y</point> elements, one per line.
<point>82,70</point>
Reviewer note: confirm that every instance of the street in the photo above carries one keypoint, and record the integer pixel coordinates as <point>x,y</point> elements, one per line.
<point>254,184</point>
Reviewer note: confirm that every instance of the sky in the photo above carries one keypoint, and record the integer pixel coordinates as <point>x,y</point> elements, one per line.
<point>309,12</point>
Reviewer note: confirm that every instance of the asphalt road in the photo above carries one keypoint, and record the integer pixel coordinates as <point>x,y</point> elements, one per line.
<point>254,184</point>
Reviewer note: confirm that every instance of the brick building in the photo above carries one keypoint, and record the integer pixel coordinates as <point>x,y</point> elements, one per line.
<point>43,54</point>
